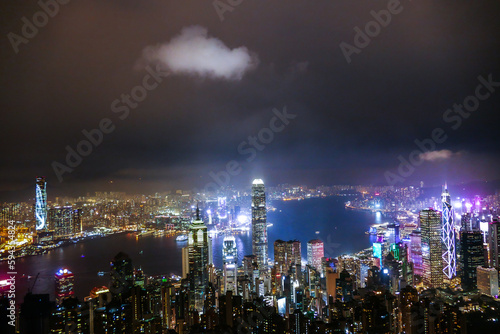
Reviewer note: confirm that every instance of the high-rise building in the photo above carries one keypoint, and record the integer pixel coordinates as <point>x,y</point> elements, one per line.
<point>432,250</point>
<point>315,252</point>
<point>280,256</point>
<point>487,281</point>
<point>448,236</point>
<point>199,247</point>
<point>230,263</point>
<point>416,251</point>
<point>472,256</point>
<point>41,204</point>
<point>259,224</point>
<point>494,243</point>
<point>122,274</point>
<point>64,285</point>
<point>60,220</point>
<point>287,254</point>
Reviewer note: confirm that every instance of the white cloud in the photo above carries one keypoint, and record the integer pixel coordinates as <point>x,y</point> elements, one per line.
<point>437,155</point>
<point>193,52</point>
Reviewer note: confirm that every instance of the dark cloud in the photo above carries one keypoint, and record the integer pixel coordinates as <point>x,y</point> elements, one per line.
<point>353,120</point>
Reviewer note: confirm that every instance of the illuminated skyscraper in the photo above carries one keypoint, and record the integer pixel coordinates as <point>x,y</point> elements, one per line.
<point>230,262</point>
<point>199,247</point>
<point>432,249</point>
<point>60,220</point>
<point>315,252</point>
<point>472,256</point>
<point>64,285</point>
<point>286,255</point>
<point>41,204</point>
<point>259,224</point>
<point>494,243</point>
<point>448,236</point>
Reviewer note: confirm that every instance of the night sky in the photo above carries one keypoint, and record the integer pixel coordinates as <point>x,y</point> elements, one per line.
<point>224,74</point>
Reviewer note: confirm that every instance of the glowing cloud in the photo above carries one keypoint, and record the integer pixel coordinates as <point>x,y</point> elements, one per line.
<point>193,52</point>
<point>437,155</point>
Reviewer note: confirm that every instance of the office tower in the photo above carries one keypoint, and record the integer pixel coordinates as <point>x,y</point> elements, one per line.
<point>280,256</point>
<point>199,259</point>
<point>494,243</point>
<point>122,274</point>
<point>487,281</point>
<point>41,204</point>
<point>393,230</point>
<point>293,254</point>
<point>287,254</point>
<point>315,252</point>
<point>259,224</point>
<point>230,263</point>
<point>60,220</point>
<point>64,285</point>
<point>416,251</point>
<point>472,256</point>
<point>448,236</point>
<point>432,250</point>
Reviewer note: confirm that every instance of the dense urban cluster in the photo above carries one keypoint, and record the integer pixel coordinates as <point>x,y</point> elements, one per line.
<point>432,268</point>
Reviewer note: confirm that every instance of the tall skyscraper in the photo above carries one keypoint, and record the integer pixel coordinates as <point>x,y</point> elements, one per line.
<point>432,249</point>
<point>199,258</point>
<point>448,236</point>
<point>494,243</point>
<point>41,204</point>
<point>230,263</point>
<point>259,224</point>
<point>64,285</point>
<point>315,252</point>
<point>60,220</point>
<point>472,256</point>
<point>286,255</point>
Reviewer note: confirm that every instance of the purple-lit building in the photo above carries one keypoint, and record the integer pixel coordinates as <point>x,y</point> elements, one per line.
<point>415,252</point>
<point>64,285</point>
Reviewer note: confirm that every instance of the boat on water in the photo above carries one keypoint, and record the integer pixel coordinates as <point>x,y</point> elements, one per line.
<point>101,273</point>
<point>181,237</point>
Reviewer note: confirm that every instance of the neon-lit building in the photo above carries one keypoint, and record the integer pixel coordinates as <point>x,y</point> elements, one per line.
<point>41,204</point>
<point>432,251</point>
<point>415,253</point>
<point>259,224</point>
<point>64,284</point>
<point>315,252</point>
<point>448,236</point>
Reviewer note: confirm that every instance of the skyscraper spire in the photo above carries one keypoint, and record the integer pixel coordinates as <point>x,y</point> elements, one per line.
<point>197,211</point>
